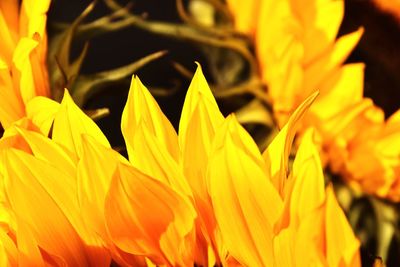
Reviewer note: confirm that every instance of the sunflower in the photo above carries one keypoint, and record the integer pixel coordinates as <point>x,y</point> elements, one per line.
<point>204,196</point>
<point>298,52</point>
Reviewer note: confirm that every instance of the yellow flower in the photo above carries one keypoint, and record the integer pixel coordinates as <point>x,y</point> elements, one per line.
<point>23,73</point>
<point>298,53</point>
<point>174,201</point>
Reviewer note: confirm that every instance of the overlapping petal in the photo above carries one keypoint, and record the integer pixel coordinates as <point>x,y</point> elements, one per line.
<point>160,234</point>
<point>206,196</point>
<point>23,56</point>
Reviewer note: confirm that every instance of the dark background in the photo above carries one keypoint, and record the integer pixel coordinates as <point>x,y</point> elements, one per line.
<point>378,48</point>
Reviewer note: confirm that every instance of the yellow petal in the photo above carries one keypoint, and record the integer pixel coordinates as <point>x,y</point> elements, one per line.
<point>146,217</point>
<point>152,158</point>
<point>283,248</point>
<point>344,88</point>
<point>8,42</point>
<point>199,120</point>
<point>33,17</point>
<point>141,105</point>
<point>245,15</point>
<point>29,253</point>
<point>346,122</point>
<point>21,60</point>
<point>42,111</point>
<point>341,245</point>
<point>45,149</point>
<point>12,139</point>
<point>11,105</point>
<point>95,170</point>
<point>308,189</point>
<point>33,203</point>
<point>70,122</point>
<point>94,173</point>
<point>242,193</point>
<point>308,192</point>
<point>321,21</point>
<point>276,156</point>
<point>334,56</point>
<point>311,231</point>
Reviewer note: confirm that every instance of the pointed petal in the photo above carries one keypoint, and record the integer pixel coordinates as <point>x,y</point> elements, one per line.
<point>308,192</point>
<point>70,122</point>
<point>341,245</point>
<point>198,91</point>
<point>276,156</point>
<point>322,68</point>
<point>321,21</point>
<point>141,105</point>
<point>199,120</point>
<point>242,193</point>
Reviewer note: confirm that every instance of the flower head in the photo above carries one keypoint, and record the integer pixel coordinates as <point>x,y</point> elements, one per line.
<point>298,52</point>
<point>203,196</point>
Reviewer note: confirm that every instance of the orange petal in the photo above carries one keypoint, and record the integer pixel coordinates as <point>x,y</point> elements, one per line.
<point>11,105</point>
<point>146,217</point>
